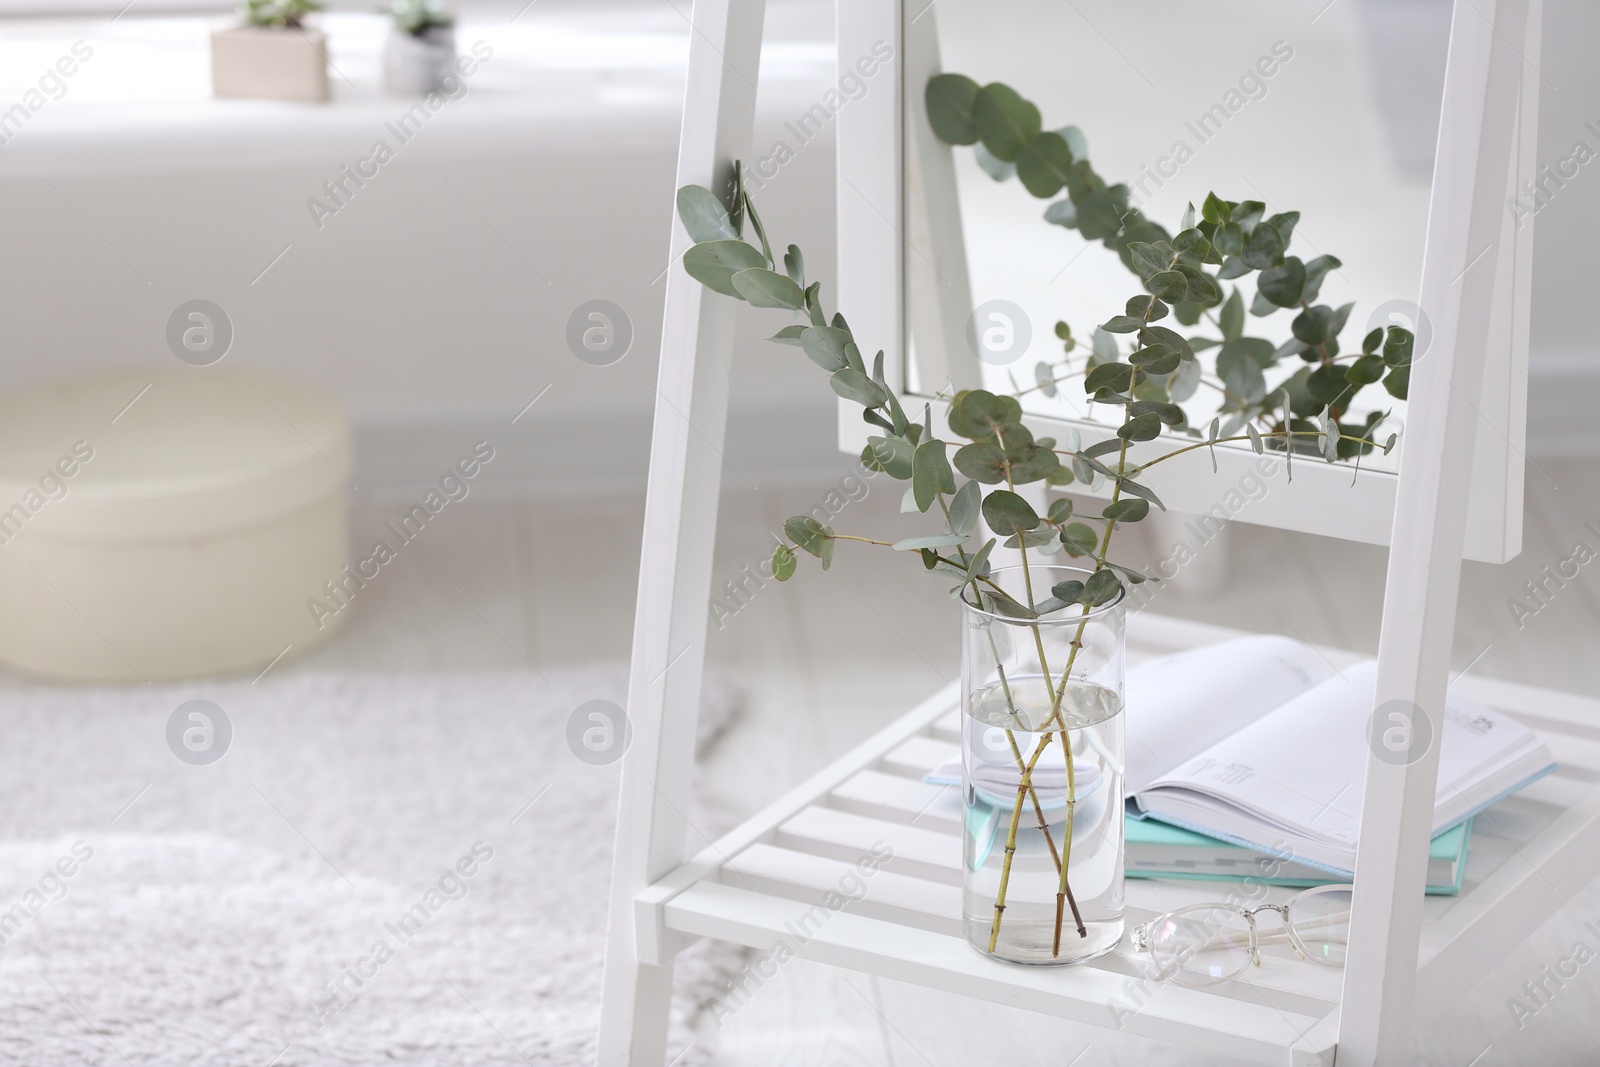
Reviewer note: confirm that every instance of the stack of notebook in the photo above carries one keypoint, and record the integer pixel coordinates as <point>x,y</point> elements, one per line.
<point>1247,759</point>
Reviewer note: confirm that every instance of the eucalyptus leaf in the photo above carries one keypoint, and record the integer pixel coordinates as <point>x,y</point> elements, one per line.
<point>1200,289</point>
<point>1169,414</point>
<point>1316,271</point>
<point>1142,491</point>
<point>1044,535</point>
<point>1004,121</point>
<point>1232,267</point>
<point>704,216</point>
<point>714,263</point>
<point>1007,513</point>
<point>1068,592</point>
<point>891,454</point>
<point>825,346</point>
<point>1365,370</point>
<point>1311,325</point>
<point>950,99</point>
<point>1185,381</point>
<point>1141,428</point>
<point>789,335</point>
<point>1001,603</point>
<point>1398,344</point>
<point>807,533</point>
<point>1044,376</point>
<point>982,461</point>
<point>1062,213</point>
<point>1115,376</point>
<point>1127,510</point>
<point>930,473</point>
<point>765,288</point>
<point>1232,317</point>
<point>783,563</point>
<point>964,509</point>
<point>1398,381</point>
<point>1284,283</point>
<point>1102,588</point>
<point>934,541</point>
<point>1160,335</point>
<point>1079,539</point>
<point>993,165</point>
<point>794,265</point>
<point>854,385</point>
<point>1043,163</point>
<point>1169,285</point>
<point>1149,259</point>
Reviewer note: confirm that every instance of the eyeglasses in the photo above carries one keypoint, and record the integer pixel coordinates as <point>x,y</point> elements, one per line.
<point>1207,944</point>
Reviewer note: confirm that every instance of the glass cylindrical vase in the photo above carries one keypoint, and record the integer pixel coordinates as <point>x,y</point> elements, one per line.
<point>1042,757</point>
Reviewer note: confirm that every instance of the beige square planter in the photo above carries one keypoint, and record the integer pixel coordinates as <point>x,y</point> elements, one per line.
<point>274,64</point>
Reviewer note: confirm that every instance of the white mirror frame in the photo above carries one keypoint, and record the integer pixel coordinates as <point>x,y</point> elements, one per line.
<point>875,233</point>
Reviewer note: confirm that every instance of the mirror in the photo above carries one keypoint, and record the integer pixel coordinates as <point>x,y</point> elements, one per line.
<point>1157,106</point>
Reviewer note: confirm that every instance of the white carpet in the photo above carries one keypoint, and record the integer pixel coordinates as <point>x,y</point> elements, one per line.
<point>209,916</point>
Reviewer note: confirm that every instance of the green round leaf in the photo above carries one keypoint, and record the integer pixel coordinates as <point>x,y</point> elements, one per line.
<point>826,346</point>
<point>704,216</point>
<point>1007,513</point>
<point>1263,248</point>
<point>1311,325</point>
<point>1397,346</point>
<point>714,263</point>
<point>1141,428</point>
<point>854,385</point>
<point>1169,285</point>
<point>892,455</point>
<point>1079,539</point>
<point>950,99</point>
<point>982,461</point>
<point>765,288</point>
<point>1365,370</point>
<point>1101,588</point>
<point>807,533</point>
<point>978,414</point>
<point>1283,283</point>
<point>964,508</point>
<point>1045,377</point>
<point>1116,376</point>
<point>1043,163</point>
<point>783,563</point>
<point>1005,122</point>
<point>1127,510</point>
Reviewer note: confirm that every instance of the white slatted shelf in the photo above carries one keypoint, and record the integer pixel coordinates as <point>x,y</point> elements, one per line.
<point>768,880</point>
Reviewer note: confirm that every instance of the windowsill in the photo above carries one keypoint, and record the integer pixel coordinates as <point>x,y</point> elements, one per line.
<point>143,100</point>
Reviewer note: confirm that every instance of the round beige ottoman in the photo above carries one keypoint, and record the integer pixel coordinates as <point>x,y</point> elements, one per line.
<point>160,523</point>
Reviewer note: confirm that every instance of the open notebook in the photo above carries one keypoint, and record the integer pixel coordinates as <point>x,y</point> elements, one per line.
<point>1259,741</point>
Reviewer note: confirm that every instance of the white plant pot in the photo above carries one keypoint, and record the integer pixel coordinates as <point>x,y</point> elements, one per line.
<point>274,64</point>
<point>417,64</point>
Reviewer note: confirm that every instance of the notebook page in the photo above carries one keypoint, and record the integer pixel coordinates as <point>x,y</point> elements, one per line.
<point>1302,767</point>
<point>1182,704</point>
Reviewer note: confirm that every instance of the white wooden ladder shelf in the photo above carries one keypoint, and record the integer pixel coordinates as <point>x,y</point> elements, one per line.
<point>1410,956</point>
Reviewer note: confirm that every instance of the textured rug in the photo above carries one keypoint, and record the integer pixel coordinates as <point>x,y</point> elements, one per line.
<point>377,871</point>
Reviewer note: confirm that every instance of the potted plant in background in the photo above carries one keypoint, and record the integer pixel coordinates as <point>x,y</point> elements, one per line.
<point>421,48</point>
<point>1042,668</point>
<point>275,55</point>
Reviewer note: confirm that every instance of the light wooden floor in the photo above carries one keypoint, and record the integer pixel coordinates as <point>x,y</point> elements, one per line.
<point>828,658</point>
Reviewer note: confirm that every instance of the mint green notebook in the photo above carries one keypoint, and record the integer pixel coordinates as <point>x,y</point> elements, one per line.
<point>1159,850</point>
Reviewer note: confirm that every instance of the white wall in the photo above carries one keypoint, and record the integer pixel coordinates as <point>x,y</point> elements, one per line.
<point>435,330</point>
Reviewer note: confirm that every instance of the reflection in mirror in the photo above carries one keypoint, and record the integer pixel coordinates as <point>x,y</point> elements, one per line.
<point>1060,161</point>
